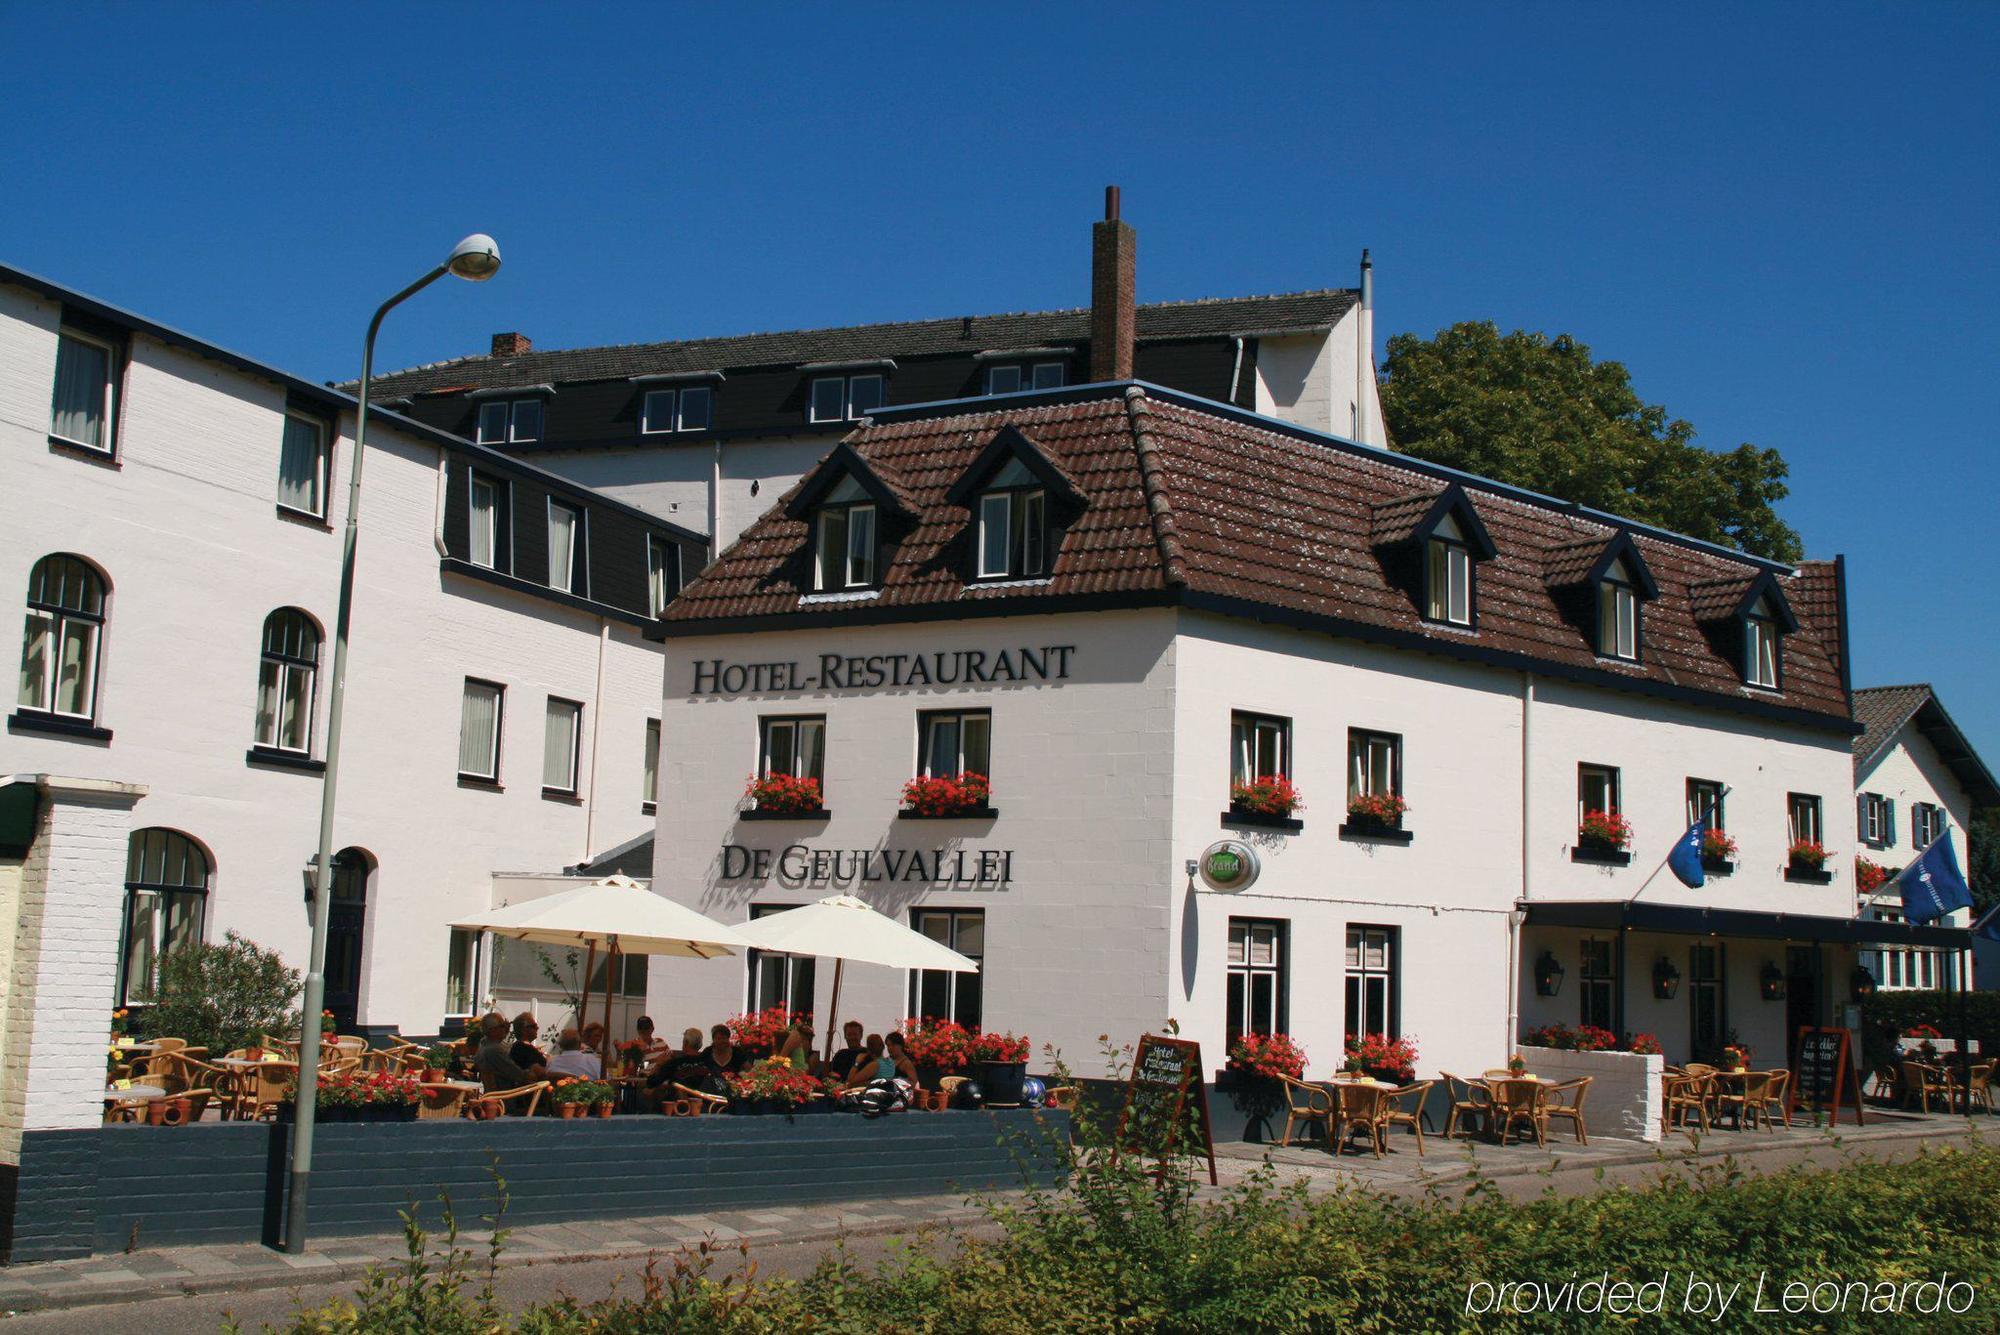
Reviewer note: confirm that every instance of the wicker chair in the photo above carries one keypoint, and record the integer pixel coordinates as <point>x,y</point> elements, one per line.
<point>1063,1097</point>
<point>1746,1100</point>
<point>194,1076</point>
<point>1979,1087</point>
<point>1470,1099</point>
<point>1356,1105</point>
<point>441,1103</point>
<point>1920,1082</point>
<point>1681,1095</point>
<point>1516,1101</point>
<point>1777,1097</point>
<point>705,1104</point>
<point>1394,1113</point>
<point>528,1096</point>
<point>1565,1103</point>
<point>1308,1104</point>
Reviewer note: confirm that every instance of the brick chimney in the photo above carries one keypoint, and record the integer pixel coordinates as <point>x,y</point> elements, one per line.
<point>510,345</point>
<point>1113,255</point>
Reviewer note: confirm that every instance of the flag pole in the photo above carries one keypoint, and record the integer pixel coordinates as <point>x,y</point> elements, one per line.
<point>1633,898</point>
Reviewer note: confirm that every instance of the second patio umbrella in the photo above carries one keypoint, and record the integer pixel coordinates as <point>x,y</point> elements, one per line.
<point>843,928</point>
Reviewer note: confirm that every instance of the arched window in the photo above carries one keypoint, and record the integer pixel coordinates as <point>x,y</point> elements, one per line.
<point>166,893</point>
<point>285,681</point>
<point>59,650</point>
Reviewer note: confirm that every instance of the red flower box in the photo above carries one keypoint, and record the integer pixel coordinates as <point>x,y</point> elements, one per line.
<point>785,794</point>
<point>1269,1055</point>
<point>947,794</point>
<point>1604,829</point>
<point>1266,795</point>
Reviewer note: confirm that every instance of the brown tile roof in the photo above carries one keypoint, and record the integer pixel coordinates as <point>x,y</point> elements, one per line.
<point>1570,563</point>
<point>1881,710</point>
<point>1257,517</point>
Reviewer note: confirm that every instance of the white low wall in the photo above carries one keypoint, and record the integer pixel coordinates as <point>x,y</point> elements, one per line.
<point>1624,1098</point>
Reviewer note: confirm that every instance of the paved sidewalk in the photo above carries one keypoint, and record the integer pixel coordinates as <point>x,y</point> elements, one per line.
<point>1446,1165</point>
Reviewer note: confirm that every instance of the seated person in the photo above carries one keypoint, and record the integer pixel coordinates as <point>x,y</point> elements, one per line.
<point>524,1052</point>
<point>687,1065</point>
<point>798,1046</point>
<point>571,1059</point>
<point>896,1051</point>
<point>593,1037</point>
<point>648,1041</point>
<point>843,1061</point>
<point>869,1064</point>
<point>495,1062</point>
<point>724,1057</point>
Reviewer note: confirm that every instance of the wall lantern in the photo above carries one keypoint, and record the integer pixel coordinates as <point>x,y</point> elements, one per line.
<point>1860,984</point>
<point>1770,982</point>
<point>312,877</point>
<point>1666,979</point>
<point>1548,975</point>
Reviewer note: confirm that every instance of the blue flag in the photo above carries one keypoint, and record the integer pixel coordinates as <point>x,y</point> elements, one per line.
<point>1988,927</point>
<point>1685,860</point>
<point>1933,885</point>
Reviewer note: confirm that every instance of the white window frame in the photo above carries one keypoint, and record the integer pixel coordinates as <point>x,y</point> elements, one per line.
<point>1761,649</point>
<point>1059,377</point>
<point>957,987</point>
<point>799,727</point>
<point>278,672</point>
<point>1812,829</point>
<point>1243,970</point>
<point>649,776</point>
<point>109,407</point>
<point>1373,952</point>
<point>1874,820</point>
<point>1926,824</point>
<point>1448,579</point>
<point>796,976</point>
<point>930,722</point>
<point>61,622</point>
<point>322,464</point>
<point>1366,750</point>
<point>1254,737</point>
<point>492,773</point>
<point>512,433</point>
<point>465,946</point>
<point>995,373</point>
<point>858,557</point>
<point>675,402</point>
<point>1587,775</point>
<point>847,383</point>
<point>495,528</point>
<point>1712,816</point>
<point>663,572</point>
<point>1618,620</point>
<point>572,763</point>
<point>1022,514</point>
<point>577,568</point>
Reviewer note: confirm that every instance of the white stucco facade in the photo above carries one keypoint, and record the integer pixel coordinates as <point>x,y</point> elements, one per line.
<point>1909,772</point>
<point>1110,782</point>
<point>185,531</point>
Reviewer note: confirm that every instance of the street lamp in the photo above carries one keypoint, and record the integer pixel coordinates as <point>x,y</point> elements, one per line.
<point>474,259</point>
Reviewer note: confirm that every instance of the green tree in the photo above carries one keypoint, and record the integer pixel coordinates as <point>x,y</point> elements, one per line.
<point>1982,859</point>
<point>1540,412</point>
<point>223,996</point>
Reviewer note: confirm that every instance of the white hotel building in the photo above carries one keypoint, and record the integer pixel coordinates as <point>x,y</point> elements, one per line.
<point>171,515</point>
<point>1115,599</point>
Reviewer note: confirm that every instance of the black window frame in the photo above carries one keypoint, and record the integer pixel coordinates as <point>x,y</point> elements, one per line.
<point>926,767</point>
<point>1597,982</point>
<point>765,722</point>
<point>1240,975</point>
<point>1357,743</point>
<point>499,731</point>
<point>1253,720</point>
<point>798,973</point>
<point>91,577</point>
<point>579,554</point>
<point>958,987</point>
<point>1615,788</point>
<point>1712,988</point>
<point>1712,816</point>
<point>1356,973</point>
<point>1811,805</point>
<point>286,660</point>
<point>503,520</point>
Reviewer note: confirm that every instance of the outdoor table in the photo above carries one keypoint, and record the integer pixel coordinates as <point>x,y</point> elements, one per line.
<point>250,1063</point>
<point>133,1093</point>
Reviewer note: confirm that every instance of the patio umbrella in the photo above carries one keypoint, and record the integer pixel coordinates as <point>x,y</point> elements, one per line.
<point>618,914</point>
<point>843,928</point>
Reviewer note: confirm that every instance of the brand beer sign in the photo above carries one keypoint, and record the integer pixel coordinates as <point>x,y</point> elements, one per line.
<point>1229,865</point>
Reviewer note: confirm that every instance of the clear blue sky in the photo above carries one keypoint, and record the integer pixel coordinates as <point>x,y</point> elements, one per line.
<point>1781,218</point>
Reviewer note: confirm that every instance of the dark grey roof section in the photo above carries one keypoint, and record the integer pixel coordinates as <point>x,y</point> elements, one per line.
<point>1217,317</point>
<point>632,858</point>
<point>324,396</point>
<point>1883,710</point>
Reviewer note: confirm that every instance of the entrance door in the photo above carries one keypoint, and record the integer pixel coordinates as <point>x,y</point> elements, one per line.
<point>346,920</point>
<point>1803,1008</point>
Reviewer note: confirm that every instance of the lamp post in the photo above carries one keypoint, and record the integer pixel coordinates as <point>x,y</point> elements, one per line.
<point>475,259</point>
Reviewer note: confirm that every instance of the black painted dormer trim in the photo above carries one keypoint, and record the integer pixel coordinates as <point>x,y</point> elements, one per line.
<point>1621,547</point>
<point>1010,443</point>
<point>1454,501</point>
<point>846,461</point>
<point>1763,585</point>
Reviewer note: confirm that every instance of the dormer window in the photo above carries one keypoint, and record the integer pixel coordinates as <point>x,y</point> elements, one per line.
<point>841,398</point>
<point>1449,574</point>
<point>1760,645</point>
<point>1013,525</point>
<point>504,422</point>
<point>1618,614</point>
<point>844,541</point>
<point>1013,379</point>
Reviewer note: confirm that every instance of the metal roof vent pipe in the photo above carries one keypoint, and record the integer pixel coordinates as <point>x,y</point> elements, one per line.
<point>1364,352</point>
<point>1113,293</point>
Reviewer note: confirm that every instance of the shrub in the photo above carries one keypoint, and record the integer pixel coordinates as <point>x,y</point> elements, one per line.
<point>223,995</point>
<point>1266,795</point>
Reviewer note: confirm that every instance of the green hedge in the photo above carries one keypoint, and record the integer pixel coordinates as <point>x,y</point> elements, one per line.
<point>1891,1013</point>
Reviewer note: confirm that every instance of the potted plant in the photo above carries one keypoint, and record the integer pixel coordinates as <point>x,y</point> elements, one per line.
<point>938,1048</point>
<point>1869,876</point>
<point>947,794</point>
<point>572,1098</point>
<point>367,1096</point>
<point>1807,855</point>
<point>1736,1056</point>
<point>1266,795</point>
<point>1257,1063</point>
<point>1717,850</point>
<point>603,1098</point>
<point>1644,1044</point>
<point>1393,1060</point>
<point>1376,811</point>
<point>1602,833</point>
<point>784,795</point>
<point>760,1032</point>
<point>772,1085</point>
<point>631,1055</point>
<point>437,1061</point>
<point>1517,1066</point>
<point>119,1019</point>
<point>1002,1060</point>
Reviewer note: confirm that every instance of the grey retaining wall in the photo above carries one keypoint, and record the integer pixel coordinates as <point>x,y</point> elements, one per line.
<point>107,1189</point>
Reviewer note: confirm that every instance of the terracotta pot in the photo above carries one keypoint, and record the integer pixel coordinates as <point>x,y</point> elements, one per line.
<point>433,1076</point>
<point>600,1110</point>
<point>568,1111</point>
<point>156,1113</point>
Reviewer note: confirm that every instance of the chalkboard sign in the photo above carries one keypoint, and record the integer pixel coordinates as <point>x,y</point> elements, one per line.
<point>1164,1070</point>
<point>1824,1075</point>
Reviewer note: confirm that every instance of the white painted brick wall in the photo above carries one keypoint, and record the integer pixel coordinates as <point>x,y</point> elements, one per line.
<point>1624,1098</point>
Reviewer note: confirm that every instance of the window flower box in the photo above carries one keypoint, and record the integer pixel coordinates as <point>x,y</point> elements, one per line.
<point>1718,852</point>
<point>1266,802</point>
<point>784,797</point>
<point>1393,1060</point>
<point>1376,816</point>
<point>1603,837</point>
<point>1869,876</point>
<point>947,797</point>
<point>1805,862</point>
